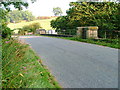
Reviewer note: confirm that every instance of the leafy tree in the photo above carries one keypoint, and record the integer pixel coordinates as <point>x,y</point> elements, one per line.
<point>105,15</point>
<point>31,28</point>
<point>91,13</point>
<point>17,16</point>
<point>17,5</point>
<point>4,30</point>
<point>4,9</point>
<point>63,25</point>
<point>57,11</point>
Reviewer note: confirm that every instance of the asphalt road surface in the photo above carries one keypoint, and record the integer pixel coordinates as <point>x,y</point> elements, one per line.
<point>77,64</point>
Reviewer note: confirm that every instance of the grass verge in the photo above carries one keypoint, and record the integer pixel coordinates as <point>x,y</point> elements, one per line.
<point>0,62</point>
<point>21,68</point>
<point>113,43</point>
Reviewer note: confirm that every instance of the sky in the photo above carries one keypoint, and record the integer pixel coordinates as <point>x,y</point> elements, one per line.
<point>45,7</point>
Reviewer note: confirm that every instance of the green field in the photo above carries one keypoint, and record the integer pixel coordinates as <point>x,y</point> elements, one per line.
<point>45,24</point>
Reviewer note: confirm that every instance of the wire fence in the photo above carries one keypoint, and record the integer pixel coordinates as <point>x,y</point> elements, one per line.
<point>109,34</point>
<point>105,34</point>
<point>67,32</point>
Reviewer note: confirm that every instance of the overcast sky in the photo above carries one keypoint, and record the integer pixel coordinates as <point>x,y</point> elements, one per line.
<point>45,7</point>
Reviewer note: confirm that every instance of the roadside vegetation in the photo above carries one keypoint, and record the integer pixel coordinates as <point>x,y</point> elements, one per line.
<point>22,68</point>
<point>0,62</point>
<point>113,43</point>
<point>105,15</point>
<point>29,29</point>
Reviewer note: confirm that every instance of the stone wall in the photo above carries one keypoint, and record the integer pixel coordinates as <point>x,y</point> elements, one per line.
<point>87,32</point>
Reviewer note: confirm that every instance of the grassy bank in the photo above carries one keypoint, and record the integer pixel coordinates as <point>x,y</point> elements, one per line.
<point>113,43</point>
<point>21,68</point>
<point>0,62</point>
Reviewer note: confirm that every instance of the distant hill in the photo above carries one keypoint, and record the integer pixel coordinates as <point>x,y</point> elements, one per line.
<point>46,17</point>
<point>45,23</point>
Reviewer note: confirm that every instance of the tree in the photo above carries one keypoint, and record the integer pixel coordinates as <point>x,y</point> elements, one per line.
<point>105,15</point>
<point>4,9</point>
<point>17,16</point>
<point>31,28</point>
<point>64,25</point>
<point>57,11</point>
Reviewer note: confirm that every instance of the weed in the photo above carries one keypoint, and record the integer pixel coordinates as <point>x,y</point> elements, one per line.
<point>21,68</point>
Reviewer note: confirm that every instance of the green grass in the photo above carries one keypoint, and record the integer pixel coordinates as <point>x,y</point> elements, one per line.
<point>113,43</point>
<point>22,68</point>
<point>45,24</point>
<point>0,62</point>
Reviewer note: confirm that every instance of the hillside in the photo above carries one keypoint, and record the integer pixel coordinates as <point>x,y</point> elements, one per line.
<point>45,24</point>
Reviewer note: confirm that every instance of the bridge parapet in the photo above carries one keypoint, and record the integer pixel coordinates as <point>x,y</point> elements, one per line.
<point>87,32</point>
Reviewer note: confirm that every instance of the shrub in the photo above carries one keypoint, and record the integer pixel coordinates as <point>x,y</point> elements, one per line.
<point>31,28</point>
<point>6,32</point>
<point>21,68</point>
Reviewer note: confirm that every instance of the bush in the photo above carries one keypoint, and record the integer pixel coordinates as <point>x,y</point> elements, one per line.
<point>6,32</point>
<point>31,28</point>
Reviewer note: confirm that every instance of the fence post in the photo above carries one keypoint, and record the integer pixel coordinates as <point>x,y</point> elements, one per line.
<point>105,34</point>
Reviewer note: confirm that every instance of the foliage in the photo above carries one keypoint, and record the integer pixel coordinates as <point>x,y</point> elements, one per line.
<point>63,25</point>
<point>0,62</point>
<point>4,9</point>
<point>30,28</point>
<point>17,16</point>
<point>18,5</point>
<point>97,0</point>
<point>62,20</point>
<point>3,14</point>
<point>57,11</point>
<point>113,43</point>
<point>105,15</point>
<point>6,32</point>
<point>21,68</point>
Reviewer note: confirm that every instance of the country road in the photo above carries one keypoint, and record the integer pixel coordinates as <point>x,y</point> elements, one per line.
<point>77,64</point>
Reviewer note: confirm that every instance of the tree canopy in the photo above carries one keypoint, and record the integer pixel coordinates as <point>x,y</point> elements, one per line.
<point>16,16</point>
<point>4,9</point>
<point>57,11</point>
<point>30,28</point>
<point>105,15</point>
